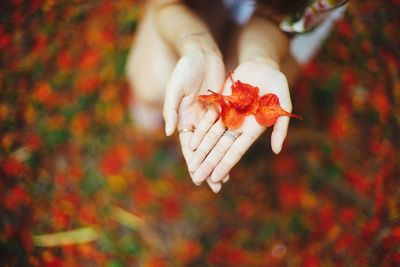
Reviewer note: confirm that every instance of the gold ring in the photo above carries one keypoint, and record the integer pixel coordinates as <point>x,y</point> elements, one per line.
<point>230,135</point>
<point>185,130</point>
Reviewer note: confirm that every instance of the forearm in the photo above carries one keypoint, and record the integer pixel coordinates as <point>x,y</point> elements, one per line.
<point>183,29</point>
<point>262,40</point>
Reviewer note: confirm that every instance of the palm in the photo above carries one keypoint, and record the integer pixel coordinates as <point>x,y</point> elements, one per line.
<point>269,80</point>
<point>193,75</point>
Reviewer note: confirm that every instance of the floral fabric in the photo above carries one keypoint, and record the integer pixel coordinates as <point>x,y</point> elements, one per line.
<point>311,17</point>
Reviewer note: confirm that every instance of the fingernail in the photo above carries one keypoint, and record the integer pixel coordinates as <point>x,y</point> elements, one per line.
<point>216,187</point>
<point>197,177</point>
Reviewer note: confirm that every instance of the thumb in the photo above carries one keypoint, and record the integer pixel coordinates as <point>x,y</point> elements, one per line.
<point>173,96</point>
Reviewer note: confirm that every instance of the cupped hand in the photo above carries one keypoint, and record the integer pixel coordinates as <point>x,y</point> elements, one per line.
<point>194,74</point>
<point>215,153</point>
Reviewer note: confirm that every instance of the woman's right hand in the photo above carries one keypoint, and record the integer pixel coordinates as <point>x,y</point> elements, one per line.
<point>199,68</point>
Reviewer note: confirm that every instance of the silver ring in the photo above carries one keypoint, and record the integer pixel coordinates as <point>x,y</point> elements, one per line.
<point>230,135</point>
<point>185,130</point>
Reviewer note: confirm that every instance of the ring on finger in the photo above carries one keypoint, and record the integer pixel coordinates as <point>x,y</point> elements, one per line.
<point>185,130</point>
<point>230,135</point>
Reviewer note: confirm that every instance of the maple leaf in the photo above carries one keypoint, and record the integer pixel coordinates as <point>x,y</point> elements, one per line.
<point>269,110</point>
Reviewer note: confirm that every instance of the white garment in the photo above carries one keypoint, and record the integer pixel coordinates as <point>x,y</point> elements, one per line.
<point>303,46</point>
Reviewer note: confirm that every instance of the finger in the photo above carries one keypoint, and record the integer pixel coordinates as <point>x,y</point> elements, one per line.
<point>173,96</point>
<point>215,187</point>
<point>205,124</point>
<point>225,179</point>
<point>233,155</point>
<point>208,142</point>
<point>213,80</point>
<point>279,133</point>
<point>213,158</point>
<point>184,139</point>
<point>183,77</point>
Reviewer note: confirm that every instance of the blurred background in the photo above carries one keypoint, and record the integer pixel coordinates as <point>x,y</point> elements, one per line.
<point>79,186</point>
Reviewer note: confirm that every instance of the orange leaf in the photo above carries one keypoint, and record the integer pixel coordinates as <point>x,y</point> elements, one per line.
<point>244,97</point>
<point>269,110</point>
<point>231,116</point>
<point>244,101</point>
<point>214,98</point>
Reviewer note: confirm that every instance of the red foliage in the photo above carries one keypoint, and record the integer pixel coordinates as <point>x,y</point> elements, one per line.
<point>231,117</point>
<point>244,97</point>
<point>64,61</point>
<point>214,98</point>
<point>114,160</point>
<point>244,101</point>
<point>270,110</point>
<point>89,59</point>
<point>224,254</point>
<point>370,229</point>
<point>290,195</point>
<point>16,197</point>
<point>347,215</point>
<point>189,251</point>
<point>13,167</point>
<point>33,141</point>
<point>310,261</point>
<point>171,208</point>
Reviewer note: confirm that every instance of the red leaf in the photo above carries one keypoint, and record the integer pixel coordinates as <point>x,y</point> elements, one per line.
<point>18,196</point>
<point>214,98</point>
<point>231,117</point>
<point>13,167</point>
<point>244,97</point>
<point>269,110</point>
<point>244,101</point>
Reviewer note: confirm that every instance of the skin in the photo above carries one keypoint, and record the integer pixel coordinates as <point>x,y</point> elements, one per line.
<point>174,45</point>
<point>260,55</point>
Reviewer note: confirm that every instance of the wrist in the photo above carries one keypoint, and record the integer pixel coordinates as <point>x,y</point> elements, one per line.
<point>260,59</point>
<point>262,41</point>
<point>199,41</point>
